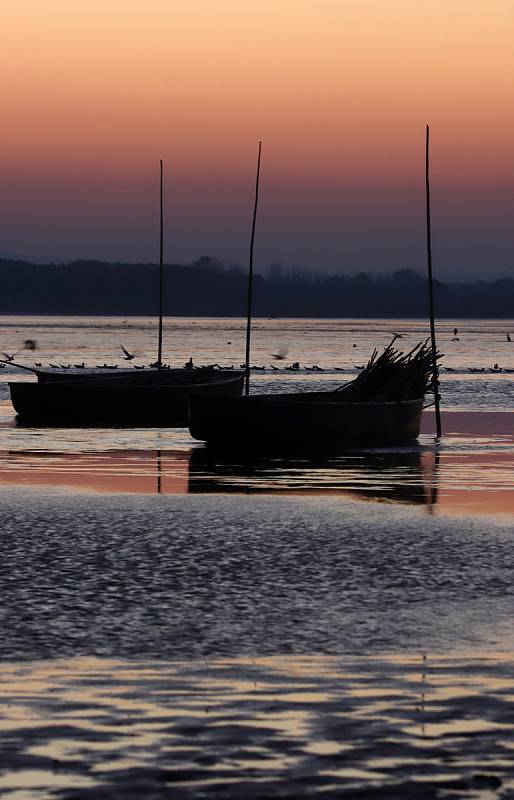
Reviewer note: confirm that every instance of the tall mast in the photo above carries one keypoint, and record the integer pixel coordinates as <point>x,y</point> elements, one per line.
<point>161,276</point>
<point>250,278</point>
<point>435,370</point>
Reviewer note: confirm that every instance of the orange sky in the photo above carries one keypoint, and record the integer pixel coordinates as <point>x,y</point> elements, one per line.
<point>96,91</point>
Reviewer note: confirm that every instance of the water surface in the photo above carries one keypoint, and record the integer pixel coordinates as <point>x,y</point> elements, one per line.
<point>176,622</point>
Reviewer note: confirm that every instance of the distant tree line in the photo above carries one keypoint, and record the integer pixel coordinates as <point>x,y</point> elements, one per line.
<point>210,288</point>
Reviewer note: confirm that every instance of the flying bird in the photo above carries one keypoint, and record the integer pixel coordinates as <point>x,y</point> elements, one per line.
<point>127,356</point>
<point>282,353</point>
<point>28,344</point>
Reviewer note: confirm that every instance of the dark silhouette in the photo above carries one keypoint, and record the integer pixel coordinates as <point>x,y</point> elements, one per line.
<point>92,287</point>
<point>282,353</point>
<point>126,355</point>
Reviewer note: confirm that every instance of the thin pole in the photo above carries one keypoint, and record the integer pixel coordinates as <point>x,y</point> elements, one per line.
<point>435,371</point>
<point>161,276</point>
<point>159,473</point>
<point>250,278</point>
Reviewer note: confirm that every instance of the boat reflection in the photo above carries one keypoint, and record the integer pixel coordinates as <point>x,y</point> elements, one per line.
<point>394,475</point>
<point>399,475</point>
<point>465,477</point>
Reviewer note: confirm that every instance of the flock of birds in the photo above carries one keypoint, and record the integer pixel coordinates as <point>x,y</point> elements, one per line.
<point>295,366</point>
<point>280,355</point>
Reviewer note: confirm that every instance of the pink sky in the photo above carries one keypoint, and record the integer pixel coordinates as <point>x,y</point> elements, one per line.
<point>95,92</point>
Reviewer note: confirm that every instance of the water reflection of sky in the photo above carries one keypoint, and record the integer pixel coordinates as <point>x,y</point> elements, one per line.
<point>336,346</point>
<point>253,727</point>
<point>470,471</point>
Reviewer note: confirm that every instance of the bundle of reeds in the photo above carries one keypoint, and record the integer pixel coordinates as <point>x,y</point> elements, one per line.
<point>393,375</point>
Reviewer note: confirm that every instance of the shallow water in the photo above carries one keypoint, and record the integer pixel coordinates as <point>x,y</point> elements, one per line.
<point>338,347</point>
<point>185,576</point>
<point>135,534</point>
<point>421,726</point>
<point>179,624</point>
<point>470,470</point>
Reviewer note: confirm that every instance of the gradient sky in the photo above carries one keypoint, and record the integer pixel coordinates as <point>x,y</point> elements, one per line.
<point>94,92</point>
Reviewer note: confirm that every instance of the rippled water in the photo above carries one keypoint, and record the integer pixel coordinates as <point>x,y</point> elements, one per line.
<point>183,576</point>
<point>423,726</point>
<point>205,572</point>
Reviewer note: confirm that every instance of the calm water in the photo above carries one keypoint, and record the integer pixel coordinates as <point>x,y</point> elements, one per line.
<point>167,461</point>
<point>336,346</point>
<point>330,340</point>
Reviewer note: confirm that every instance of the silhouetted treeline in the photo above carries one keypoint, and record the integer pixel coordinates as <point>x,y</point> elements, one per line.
<point>209,289</point>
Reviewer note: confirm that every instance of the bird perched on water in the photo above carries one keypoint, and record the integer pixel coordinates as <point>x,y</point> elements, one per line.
<point>127,356</point>
<point>508,337</point>
<point>455,337</point>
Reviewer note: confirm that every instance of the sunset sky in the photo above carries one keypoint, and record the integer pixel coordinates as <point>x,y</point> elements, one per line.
<point>95,92</point>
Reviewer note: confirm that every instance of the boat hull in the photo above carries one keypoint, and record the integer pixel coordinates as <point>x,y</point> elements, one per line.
<point>116,402</point>
<point>134,377</point>
<point>316,420</point>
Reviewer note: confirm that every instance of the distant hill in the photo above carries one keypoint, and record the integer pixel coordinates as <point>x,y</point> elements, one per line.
<point>208,289</point>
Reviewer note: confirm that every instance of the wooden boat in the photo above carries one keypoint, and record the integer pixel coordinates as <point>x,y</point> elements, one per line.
<point>306,419</point>
<point>132,375</point>
<point>118,402</point>
<point>73,374</point>
<point>143,377</point>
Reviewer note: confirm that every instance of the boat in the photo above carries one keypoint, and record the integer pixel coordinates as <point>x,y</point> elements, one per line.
<point>382,405</point>
<point>151,396</point>
<point>304,419</point>
<point>141,377</point>
<point>164,401</point>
